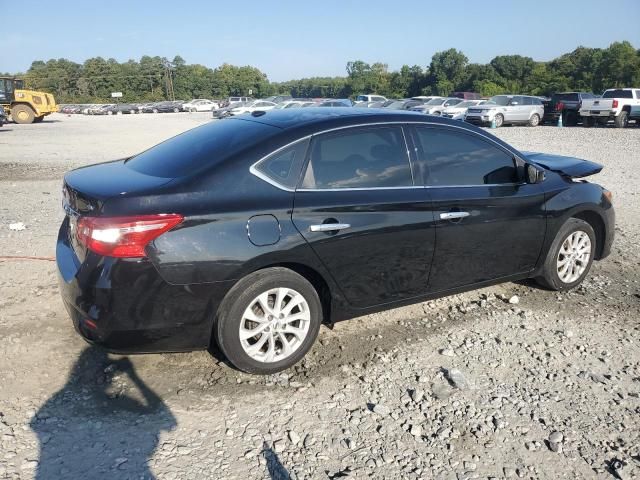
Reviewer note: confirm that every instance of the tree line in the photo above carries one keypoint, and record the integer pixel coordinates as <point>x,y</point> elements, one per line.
<point>157,78</point>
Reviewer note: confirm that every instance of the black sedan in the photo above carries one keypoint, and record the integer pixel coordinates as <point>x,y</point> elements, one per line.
<point>253,231</point>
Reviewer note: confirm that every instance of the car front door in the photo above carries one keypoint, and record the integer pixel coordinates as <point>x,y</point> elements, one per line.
<point>364,217</point>
<point>490,223</point>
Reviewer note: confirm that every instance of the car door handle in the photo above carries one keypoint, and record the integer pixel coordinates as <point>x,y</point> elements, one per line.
<point>329,227</point>
<point>453,215</point>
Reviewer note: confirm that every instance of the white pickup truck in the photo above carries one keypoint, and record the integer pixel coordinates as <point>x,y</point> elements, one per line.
<point>615,104</point>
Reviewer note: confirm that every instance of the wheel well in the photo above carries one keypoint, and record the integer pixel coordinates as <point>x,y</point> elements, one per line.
<point>596,222</point>
<point>315,279</point>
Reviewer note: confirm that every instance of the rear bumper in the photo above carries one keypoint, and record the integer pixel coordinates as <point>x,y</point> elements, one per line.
<point>598,113</point>
<point>125,306</point>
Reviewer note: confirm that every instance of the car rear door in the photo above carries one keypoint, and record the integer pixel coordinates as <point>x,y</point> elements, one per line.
<point>364,217</point>
<point>489,223</point>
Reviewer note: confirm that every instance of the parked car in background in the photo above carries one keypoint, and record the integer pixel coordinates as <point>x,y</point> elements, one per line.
<point>370,98</point>
<point>278,98</point>
<point>507,110</point>
<point>119,109</point>
<point>615,105</point>
<point>224,112</point>
<point>566,105</point>
<point>467,95</point>
<point>404,104</point>
<point>435,106</point>
<point>200,105</point>
<point>336,102</point>
<point>250,233</point>
<point>163,107</point>
<point>252,107</point>
<point>294,104</point>
<point>458,111</point>
<point>235,101</point>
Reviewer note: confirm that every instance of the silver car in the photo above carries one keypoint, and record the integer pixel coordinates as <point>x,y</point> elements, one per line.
<point>436,105</point>
<point>507,110</point>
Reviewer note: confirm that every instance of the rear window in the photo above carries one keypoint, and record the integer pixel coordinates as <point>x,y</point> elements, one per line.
<point>566,97</point>
<point>618,94</point>
<point>201,147</point>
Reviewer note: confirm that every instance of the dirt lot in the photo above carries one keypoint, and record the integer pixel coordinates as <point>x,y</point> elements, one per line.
<point>507,382</point>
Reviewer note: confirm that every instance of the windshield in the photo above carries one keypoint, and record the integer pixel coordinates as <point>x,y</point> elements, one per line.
<point>361,98</point>
<point>502,100</point>
<point>200,147</point>
<point>435,101</point>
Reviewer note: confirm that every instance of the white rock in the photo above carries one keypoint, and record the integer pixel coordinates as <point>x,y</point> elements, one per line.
<point>18,226</point>
<point>514,300</point>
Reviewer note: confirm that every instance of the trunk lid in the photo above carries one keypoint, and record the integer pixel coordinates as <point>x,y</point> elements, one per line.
<point>86,189</point>
<point>569,166</point>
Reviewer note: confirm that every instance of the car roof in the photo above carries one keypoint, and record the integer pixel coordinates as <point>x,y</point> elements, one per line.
<point>289,119</point>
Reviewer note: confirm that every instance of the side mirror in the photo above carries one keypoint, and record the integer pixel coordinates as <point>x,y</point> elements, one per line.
<point>534,174</point>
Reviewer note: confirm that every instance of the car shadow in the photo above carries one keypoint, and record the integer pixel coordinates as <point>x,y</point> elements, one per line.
<point>104,423</point>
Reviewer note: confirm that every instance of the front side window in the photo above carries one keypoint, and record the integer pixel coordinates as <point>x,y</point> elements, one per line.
<point>455,158</point>
<point>359,158</point>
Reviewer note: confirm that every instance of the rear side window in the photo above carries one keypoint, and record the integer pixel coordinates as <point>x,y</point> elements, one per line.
<point>201,147</point>
<point>359,158</point>
<point>454,158</point>
<point>618,94</point>
<point>283,166</point>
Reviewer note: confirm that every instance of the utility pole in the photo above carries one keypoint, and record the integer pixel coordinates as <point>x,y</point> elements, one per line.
<point>168,78</point>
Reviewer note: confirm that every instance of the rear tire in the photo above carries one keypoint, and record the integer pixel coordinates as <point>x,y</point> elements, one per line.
<point>242,312</point>
<point>22,114</point>
<point>588,122</point>
<point>534,121</point>
<point>622,120</point>
<point>570,256</point>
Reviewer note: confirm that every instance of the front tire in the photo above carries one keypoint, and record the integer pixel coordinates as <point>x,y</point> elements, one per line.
<point>22,114</point>
<point>498,120</point>
<point>570,256</point>
<point>268,321</point>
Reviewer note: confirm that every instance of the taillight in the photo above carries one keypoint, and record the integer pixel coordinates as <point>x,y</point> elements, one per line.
<point>614,104</point>
<point>559,106</point>
<point>123,236</point>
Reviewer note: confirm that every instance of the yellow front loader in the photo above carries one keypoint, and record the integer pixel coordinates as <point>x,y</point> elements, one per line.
<point>25,106</point>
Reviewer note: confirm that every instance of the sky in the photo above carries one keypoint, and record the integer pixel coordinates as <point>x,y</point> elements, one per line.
<point>295,39</point>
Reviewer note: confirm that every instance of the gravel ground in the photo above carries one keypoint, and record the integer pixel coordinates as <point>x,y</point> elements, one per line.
<point>506,382</point>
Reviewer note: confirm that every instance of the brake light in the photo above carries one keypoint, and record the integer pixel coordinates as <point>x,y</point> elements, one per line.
<point>123,236</point>
<point>559,106</point>
<point>614,104</point>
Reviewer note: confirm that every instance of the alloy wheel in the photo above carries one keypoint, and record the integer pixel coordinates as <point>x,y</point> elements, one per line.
<point>573,257</point>
<point>274,325</point>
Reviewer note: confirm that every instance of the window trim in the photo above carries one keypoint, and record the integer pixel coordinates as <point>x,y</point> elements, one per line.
<point>518,162</point>
<point>346,189</point>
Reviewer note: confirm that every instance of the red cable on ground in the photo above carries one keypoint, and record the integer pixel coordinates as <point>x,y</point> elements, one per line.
<point>12,257</point>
